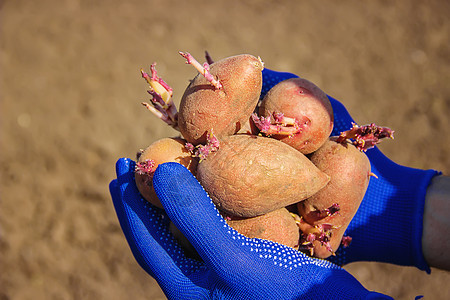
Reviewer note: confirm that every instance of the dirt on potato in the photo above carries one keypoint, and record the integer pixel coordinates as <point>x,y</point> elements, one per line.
<point>70,93</point>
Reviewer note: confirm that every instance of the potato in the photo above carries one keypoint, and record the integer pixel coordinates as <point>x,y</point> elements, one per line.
<point>253,175</point>
<point>185,244</point>
<point>300,99</point>
<point>205,108</point>
<point>161,151</point>
<point>277,226</point>
<point>349,171</point>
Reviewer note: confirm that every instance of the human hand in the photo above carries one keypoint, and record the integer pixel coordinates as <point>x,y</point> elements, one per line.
<point>231,266</point>
<point>389,221</point>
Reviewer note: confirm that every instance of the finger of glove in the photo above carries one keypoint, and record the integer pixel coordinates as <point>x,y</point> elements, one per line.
<point>146,230</point>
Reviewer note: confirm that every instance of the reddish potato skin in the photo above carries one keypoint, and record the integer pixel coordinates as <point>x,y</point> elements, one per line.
<point>301,99</point>
<point>278,226</point>
<point>161,151</point>
<point>349,171</point>
<point>253,175</point>
<point>224,110</point>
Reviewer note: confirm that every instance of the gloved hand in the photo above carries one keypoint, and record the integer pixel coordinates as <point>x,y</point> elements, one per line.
<point>388,224</point>
<point>231,266</point>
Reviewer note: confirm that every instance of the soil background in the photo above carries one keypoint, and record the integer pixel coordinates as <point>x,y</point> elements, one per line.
<point>70,107</point>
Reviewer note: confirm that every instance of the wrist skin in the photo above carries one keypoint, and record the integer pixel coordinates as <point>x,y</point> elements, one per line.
<point>436,223</point>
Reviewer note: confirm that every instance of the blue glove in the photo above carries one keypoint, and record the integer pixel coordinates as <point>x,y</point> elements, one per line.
<point>388,224</point>
<point>231,265</point>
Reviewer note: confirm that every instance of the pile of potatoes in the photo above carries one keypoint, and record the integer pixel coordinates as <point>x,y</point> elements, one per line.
<point>270,166</point>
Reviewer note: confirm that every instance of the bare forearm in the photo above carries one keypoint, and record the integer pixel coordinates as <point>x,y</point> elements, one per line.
<point>436,223</point>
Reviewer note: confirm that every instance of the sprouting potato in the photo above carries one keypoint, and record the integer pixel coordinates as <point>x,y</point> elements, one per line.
<point>223,108</point>
<point>327,214</point>
<point>298,113</point>
<point>161,151</point>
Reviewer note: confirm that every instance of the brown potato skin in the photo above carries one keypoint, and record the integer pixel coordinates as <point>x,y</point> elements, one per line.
<point>253,175</point>
<point>185,244</point>
<point>301,99</point>
<point>278,226</point>
<point>349,171</point>
<point>161,151</point>
<point>204,108</point>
